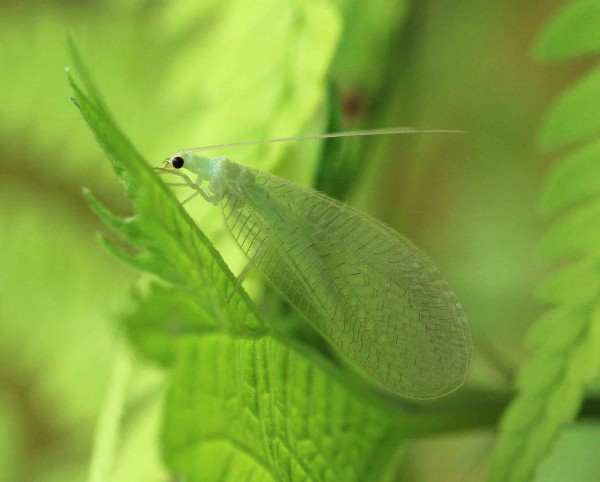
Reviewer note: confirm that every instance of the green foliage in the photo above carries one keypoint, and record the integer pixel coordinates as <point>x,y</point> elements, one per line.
<point>163,315</point>
<point>571,32</point>
<point>180,74</point>
<point>110,420</point>
<point>170,244</point>
<point>243,400</point>
<point>260,403</point>
<point>574,117</point>
<point>566,339</point>
<point>266,411</point>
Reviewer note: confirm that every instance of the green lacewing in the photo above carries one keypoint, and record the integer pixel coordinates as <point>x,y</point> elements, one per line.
<point>369,291</point>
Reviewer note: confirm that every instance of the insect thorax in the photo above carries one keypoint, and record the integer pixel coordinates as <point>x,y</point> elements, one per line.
<point>227,176</point>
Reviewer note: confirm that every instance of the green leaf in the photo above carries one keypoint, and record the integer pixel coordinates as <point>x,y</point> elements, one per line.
<point>222,375</point>
<point>575,179</point>
<point>575,456</point>
<point>161,317</point>
<point>260,408</point>
<point>228,90</point>
<point>573,31</point>
<point>576,233</point>
<point>566,339</point>
<point>171,244</point>
<point>551,387</point>
<point>573,286</point>
<point>363,74</point>
<point>574,117</point>
<point>366,45</point>
<point>243,401</point>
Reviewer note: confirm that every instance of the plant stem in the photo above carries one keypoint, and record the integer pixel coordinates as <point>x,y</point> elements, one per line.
<point>107,430</point>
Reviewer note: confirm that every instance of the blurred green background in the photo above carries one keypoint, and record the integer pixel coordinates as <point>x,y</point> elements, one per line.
<point>181,74</point>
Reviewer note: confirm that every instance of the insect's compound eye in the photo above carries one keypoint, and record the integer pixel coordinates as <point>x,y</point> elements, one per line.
<point>177,162</point>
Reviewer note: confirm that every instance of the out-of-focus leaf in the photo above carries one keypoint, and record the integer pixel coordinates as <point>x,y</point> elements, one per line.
<point>575,179</point>
<point>551,387</point>
<point>362,75</point>
<point>577,233</point>
<point>202,77</point>
<point>237,86</point>
<point>566,339</point>
<point>160,317</point>
<point>574,117</point>
<point>574,456</point>
<point>573,31</point>
<point>35,93</point>
<point>365,46</point>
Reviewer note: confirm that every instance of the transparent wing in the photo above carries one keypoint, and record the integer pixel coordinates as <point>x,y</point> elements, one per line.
<point>369,291</point>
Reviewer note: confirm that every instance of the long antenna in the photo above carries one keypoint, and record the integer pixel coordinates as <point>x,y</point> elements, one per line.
<point>370,132</point>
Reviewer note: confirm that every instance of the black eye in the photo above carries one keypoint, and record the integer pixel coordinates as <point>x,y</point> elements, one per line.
<point>177,162</point>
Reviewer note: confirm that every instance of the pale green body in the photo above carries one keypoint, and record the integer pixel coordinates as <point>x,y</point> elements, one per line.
<point>369,291</point>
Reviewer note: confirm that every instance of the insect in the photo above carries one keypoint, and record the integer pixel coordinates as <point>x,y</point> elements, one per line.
<point>369,291</point>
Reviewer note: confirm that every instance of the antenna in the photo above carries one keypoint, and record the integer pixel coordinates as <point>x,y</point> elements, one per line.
<point>369,132</point>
